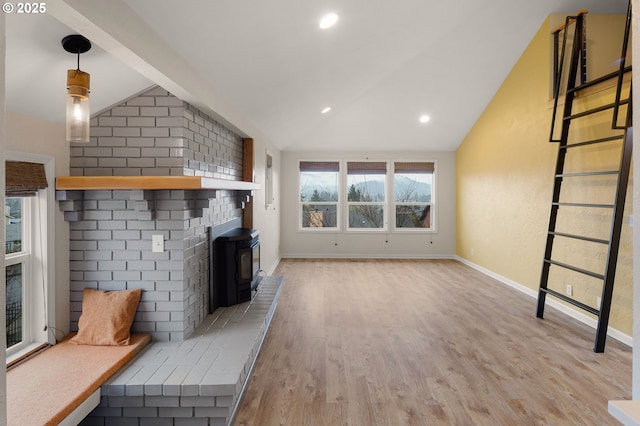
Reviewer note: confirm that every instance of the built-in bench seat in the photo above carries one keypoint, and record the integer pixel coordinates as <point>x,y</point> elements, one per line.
<point>199,380</point>
<point>61,385</point>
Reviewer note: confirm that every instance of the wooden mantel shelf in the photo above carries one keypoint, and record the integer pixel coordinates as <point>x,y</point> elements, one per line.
<point>79,183</point>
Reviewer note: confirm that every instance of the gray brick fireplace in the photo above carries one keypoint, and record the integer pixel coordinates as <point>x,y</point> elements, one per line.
<point>151,134</point>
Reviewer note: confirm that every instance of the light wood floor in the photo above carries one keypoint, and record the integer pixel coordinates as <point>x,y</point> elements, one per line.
<point>409,342</point>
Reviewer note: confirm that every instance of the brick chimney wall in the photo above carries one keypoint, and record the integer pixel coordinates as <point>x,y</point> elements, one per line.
<point>155,134</point>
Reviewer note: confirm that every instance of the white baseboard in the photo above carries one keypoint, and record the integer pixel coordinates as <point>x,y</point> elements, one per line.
<point>365,256</point>
<point>591,322</point>
<point>275,264</point>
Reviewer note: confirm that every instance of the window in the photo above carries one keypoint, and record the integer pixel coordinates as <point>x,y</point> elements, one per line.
<point>366,194</point>
<point>17,250</point>
<point>268,180</point>
<point>412,189</point>
<point>373,196</point>
<point>28,204</point>
<point>319,195</point>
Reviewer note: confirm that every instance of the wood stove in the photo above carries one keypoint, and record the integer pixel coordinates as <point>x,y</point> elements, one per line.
<point>235,264</point>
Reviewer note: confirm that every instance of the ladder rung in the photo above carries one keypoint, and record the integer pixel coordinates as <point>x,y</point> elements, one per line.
<point>600,206</point>
<point>579,237</point>
<point>575,269</point>
<point>609,76</point>
<point>595,110</point>
<point>608,172</point>
<point>574,302</point>
<point>595,141</point>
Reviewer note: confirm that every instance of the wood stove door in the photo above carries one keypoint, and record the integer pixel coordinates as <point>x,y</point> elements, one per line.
<point>244,272</point>
<point>245,261</point>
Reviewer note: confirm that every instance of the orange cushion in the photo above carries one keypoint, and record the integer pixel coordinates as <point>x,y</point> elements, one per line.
<point>46,388</point>
<point>106,317</point>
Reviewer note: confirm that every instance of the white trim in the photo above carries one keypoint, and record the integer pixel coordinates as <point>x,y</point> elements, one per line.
<point>49,234</point>
<point>336,203</point>
<point>388,205</point>
<point>269,196</point>
<point>271,270</point>
<point>344,192</point>
<point>22,352</point>
<point>366,256</point>
<point>83,410</point>
<point>434,176</point>
<point>591,322</point>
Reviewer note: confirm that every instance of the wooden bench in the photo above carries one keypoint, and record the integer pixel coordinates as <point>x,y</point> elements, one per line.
<point>61,385</point>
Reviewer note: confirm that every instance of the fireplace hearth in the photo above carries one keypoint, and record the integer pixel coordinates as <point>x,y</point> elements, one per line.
<point>235,266</point>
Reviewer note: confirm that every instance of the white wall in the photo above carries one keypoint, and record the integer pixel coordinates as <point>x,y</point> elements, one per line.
<point>32,135</point>
<point>295,243</point>
<point>267,219</point>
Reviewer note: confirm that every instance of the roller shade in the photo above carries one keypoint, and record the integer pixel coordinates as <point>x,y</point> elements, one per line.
<point>319,166</point>
<point>366,167</point>
<point>24,179</point>
<point>414,167</point>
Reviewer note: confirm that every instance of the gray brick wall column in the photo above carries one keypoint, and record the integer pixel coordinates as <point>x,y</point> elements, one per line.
<point>153,134</point>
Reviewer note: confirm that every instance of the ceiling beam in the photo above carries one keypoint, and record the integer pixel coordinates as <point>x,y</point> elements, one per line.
<point>117,29</point>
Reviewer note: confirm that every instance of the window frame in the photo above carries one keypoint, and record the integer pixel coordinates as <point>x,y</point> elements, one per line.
<point>268,180</point>
<point>389,205</point>
<point>337,203</point>
<point>39,297</point>
<point>432,203</point>
<point>385,203</point>
<point>23,257</point>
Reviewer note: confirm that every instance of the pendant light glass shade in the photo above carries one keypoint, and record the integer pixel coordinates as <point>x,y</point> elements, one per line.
<point>78,114</point>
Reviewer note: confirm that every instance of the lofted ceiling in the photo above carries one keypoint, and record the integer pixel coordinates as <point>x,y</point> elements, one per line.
<point>266,69</point>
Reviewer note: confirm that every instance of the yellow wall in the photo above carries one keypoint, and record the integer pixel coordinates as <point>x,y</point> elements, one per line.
<point>504,177</point>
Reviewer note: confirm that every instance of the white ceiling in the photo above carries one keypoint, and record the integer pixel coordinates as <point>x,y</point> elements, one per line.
<point>267,70</point>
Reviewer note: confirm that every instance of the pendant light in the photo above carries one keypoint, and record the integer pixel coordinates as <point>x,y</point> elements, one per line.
<point>78,114</point>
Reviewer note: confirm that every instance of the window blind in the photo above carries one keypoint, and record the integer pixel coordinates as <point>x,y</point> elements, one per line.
<point>319,166</point>
<point>414,167</point>
<point>366,167</point>
<point>24,179</point>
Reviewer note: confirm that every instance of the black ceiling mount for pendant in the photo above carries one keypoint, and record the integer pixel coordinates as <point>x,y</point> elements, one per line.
<point>76,43</point>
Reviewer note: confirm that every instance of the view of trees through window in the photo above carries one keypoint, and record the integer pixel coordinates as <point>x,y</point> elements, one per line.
<point>366,194</point>
<point>369,204</point>
<point>412,194</point>
<point>319,194</point>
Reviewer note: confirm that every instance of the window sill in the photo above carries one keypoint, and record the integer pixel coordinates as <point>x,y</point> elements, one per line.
<point>24,353</point>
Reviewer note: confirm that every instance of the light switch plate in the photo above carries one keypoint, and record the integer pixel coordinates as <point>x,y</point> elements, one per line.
<point>157,243</point>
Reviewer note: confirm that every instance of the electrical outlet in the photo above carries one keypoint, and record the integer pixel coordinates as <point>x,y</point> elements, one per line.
<point>598,302</point>
<point>569,290</point>
<point>473,252</point>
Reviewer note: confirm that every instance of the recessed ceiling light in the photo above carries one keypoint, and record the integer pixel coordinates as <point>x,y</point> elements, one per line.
<point>325,110</point>
<point>328,20</point>
<point>424,118</point>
